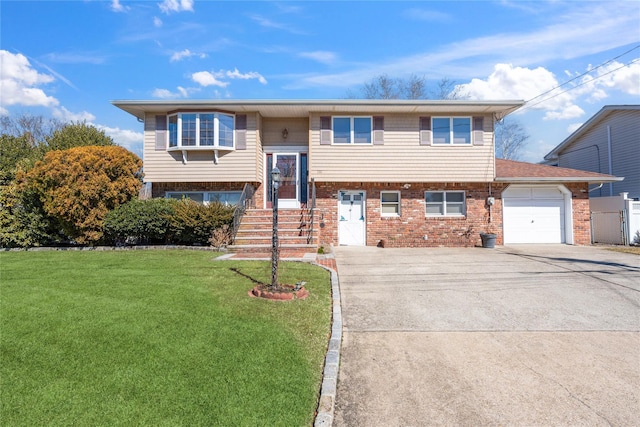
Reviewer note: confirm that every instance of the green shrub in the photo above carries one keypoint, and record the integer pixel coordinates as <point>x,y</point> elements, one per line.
<point>140,222</point>
<point>23,222</point>
<point>194,223</point>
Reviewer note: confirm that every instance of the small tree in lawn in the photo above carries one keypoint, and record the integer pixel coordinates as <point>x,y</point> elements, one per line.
<point>79,186</point>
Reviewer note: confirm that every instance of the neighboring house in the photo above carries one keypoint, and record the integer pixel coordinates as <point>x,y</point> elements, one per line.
<point>609,142</point>
<point>378,172</point>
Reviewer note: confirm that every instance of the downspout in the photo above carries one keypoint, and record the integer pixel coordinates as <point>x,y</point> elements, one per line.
<point>610,162</point>
<point>597,188</point>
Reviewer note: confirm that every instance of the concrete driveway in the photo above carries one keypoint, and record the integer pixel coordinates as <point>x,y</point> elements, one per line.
<point>518,335</point>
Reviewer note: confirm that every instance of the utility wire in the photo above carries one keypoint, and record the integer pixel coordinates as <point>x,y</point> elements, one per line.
<point>583,74</point>
<point>527,105</point>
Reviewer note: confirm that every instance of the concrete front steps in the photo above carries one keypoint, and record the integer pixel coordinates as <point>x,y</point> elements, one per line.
<point>254,236</point>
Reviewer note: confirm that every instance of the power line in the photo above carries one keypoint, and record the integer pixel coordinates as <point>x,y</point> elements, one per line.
<point>583,74</point>
<point>527,105</point>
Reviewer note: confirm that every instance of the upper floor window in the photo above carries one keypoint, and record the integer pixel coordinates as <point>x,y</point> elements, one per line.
<point>451,130</point>
<point>201,130</point>
<point>352,130</point>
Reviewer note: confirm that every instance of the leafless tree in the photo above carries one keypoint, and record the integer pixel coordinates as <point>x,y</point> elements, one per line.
<point>511,137</point>
<point>36,128</point>
<point>382,87</point>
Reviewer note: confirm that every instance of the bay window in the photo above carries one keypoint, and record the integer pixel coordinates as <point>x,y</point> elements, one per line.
<point>201,130</point>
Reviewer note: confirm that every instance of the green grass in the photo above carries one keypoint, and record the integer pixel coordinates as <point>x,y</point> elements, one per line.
<point>156,338</point>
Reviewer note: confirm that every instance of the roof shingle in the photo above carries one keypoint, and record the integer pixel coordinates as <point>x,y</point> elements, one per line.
<point>511,170</point>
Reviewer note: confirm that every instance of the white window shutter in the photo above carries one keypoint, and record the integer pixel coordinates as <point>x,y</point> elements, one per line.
<point>425,130</point>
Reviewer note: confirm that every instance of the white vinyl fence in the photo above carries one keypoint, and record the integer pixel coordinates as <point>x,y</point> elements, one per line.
<point>615,220</point>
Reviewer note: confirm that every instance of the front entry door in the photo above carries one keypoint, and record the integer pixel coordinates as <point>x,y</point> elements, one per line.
<point>289,179</point>
<point>352,224</point>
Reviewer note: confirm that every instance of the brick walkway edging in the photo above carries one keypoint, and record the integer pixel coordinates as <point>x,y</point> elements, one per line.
<point>327,402</point>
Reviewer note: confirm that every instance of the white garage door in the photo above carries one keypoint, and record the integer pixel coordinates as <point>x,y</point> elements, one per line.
<point>533,214</point>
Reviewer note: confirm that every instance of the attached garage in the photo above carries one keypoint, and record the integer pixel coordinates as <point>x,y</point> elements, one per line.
<point>537,214</point>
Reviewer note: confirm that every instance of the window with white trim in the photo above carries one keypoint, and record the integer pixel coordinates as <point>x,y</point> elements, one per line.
<point>214,130</point>
<point>352,130</point>
<point>390,203</point>
<point>451,130</point>
<point>227,198</point>
<point>445,203</point>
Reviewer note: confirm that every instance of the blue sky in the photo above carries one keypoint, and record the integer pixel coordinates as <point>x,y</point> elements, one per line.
<point>69,59</point>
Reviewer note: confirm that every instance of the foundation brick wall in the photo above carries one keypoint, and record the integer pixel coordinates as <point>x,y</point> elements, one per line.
<point>581,213</point>
<point>410,229</point>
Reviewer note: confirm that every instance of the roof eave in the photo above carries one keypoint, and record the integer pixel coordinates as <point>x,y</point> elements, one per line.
<point>558,179</point>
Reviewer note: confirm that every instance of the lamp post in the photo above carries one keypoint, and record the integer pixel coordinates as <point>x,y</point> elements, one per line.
<point>275,179</point>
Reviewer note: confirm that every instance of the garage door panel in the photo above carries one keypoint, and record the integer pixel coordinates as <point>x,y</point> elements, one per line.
<point>538,218</point>
<point>546,193</point>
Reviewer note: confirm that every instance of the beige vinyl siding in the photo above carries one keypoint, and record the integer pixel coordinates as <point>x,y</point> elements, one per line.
<point>401,158</point>
<point>167,166</point>
<point>591,152</point>
<point>297,128</point>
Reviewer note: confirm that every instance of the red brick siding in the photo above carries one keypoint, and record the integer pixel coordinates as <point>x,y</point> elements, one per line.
<point>410,229</point>
<point>581,213</point>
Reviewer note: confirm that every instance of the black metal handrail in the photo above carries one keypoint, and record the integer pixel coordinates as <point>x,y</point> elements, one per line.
<point>245,201</point>
<point>311,211</point>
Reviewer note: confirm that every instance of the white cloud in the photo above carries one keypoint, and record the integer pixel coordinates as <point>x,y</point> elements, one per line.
<point>217,78</point>
<point>426,15</point>
<point>533,85</point>
<point>117,7</point>
<point>235,74</point>
<point>132,141</point>
<point>205,78</point>
<point>179,56</point>
<point>65,115</point>
<point>167,94</point>
<point>168,6</point>
<point>157,22</point>
<point>19,81</point>
<point>569,112</point>
<point>321,56</point>
<point>573,127</point>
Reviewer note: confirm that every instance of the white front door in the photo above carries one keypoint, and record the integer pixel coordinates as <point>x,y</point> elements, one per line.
<point>351,218</point>
<point>289,179</point>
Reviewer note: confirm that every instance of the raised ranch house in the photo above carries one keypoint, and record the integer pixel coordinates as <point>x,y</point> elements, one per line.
<point>360,172</point>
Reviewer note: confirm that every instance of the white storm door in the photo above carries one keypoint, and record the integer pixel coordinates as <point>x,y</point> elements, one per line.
<point>351,218</point>
<point>289,179</point>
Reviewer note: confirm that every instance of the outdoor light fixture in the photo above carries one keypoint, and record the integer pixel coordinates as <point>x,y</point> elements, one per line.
<point>275,178</point>
<point>285,133</point>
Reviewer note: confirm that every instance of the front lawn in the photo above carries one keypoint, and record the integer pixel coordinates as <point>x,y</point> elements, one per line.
<point>156,338</point>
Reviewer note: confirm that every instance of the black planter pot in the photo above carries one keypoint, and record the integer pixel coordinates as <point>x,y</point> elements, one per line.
<point>488,240</point>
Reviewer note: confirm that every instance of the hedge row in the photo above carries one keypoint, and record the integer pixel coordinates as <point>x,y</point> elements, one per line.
<point>166,221</point>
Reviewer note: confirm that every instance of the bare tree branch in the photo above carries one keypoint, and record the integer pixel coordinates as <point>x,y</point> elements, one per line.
<point>511,137</point>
